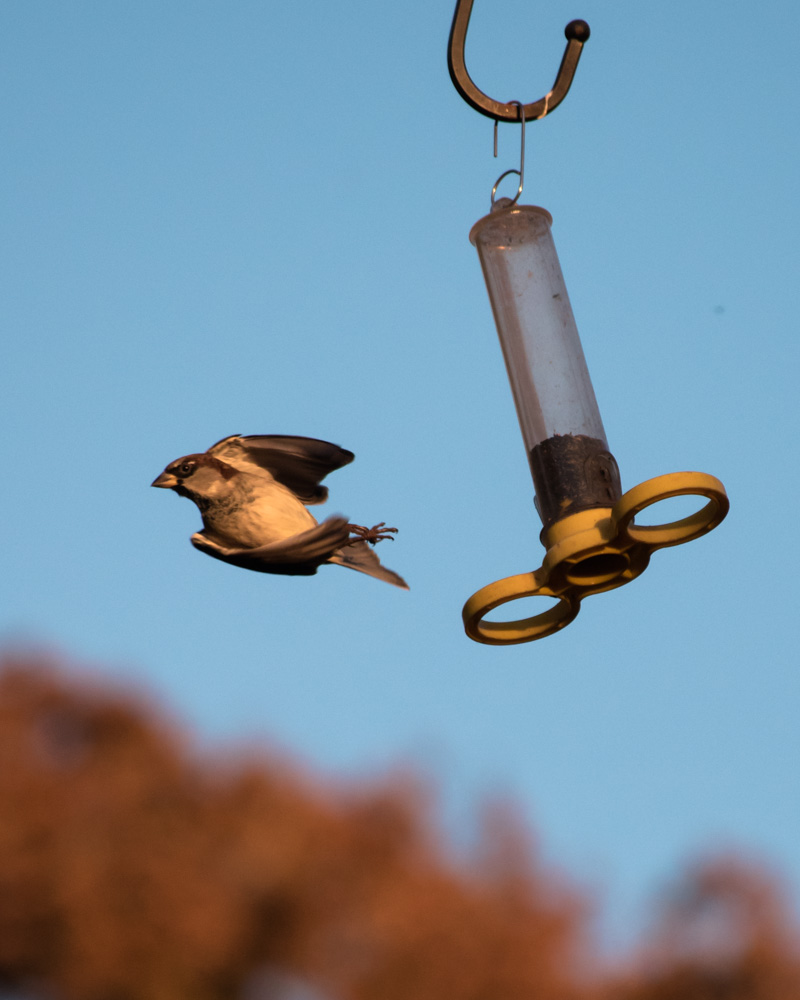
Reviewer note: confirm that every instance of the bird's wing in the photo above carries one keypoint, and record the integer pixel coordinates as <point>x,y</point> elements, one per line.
<point>300,463</point>
<point>299,555</point>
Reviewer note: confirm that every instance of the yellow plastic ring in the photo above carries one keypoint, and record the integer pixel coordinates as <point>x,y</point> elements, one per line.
<point>674,484</point>
<point>506,633</point>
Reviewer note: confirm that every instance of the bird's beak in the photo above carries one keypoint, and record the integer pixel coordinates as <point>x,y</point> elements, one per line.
<point>166,481</point>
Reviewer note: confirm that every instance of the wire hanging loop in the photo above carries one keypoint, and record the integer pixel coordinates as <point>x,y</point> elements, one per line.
<point>521,172</point>
<point>576,32</point>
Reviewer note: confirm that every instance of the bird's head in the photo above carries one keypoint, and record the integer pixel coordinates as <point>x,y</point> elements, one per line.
<point>198,477</point>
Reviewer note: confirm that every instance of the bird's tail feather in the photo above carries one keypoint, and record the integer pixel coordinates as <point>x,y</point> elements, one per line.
<point>361,557</point>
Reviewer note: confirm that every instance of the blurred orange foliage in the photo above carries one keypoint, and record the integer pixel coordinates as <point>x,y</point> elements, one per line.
<point>133,868</point>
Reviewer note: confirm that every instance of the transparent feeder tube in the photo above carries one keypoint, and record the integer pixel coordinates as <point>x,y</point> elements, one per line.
<point>571,465</point>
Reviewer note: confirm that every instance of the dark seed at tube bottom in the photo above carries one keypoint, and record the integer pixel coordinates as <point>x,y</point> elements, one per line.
<point>573,472</point>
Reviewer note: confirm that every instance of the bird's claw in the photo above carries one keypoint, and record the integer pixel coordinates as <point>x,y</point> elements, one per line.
<point>377,533</point>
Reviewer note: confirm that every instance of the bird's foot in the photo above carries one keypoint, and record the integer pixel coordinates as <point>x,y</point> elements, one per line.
<point>377,533</point>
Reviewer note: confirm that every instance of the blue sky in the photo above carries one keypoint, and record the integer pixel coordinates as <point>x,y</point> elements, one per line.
<point>253,218</point>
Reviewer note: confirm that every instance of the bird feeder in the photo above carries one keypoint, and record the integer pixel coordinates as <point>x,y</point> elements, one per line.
<point>592,541</point>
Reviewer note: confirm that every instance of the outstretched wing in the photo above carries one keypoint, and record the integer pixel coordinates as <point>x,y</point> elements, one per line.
<point>300,463</point>
<point>299,555</point>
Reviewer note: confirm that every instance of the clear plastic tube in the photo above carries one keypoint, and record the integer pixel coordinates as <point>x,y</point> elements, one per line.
<point>561,426</point>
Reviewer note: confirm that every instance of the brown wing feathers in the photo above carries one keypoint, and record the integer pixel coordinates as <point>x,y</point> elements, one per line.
<point>300,463</point>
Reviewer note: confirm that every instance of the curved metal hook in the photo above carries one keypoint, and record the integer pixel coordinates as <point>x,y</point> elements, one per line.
<point>521,172</point>
<point>576,32</point>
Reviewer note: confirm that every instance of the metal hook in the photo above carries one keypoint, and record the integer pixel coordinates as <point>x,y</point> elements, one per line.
<point>521,172</point>
<point>576,32</point>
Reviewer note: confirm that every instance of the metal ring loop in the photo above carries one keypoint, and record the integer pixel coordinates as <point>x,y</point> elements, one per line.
<point>497,185</point>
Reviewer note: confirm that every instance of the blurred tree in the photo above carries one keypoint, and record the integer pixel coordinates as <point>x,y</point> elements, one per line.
<point>131,868</point>
<point>723,933</point>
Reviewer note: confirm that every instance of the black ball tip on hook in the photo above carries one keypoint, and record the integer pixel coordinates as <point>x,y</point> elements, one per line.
<point>579,30</point>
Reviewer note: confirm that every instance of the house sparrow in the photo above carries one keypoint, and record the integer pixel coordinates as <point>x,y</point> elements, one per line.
<point>253,493</point>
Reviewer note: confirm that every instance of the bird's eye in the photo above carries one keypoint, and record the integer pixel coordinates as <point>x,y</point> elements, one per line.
<point>186,468</point>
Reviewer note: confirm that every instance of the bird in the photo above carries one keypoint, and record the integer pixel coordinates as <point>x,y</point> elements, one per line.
<point>253,493</point>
